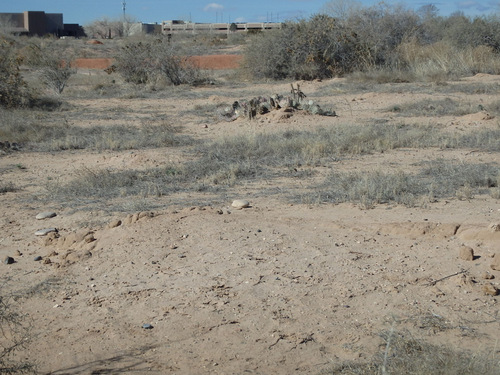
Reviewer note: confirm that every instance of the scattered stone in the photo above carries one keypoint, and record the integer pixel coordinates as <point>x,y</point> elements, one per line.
<point>45,215</point>
<point>114,224</point>
<point>495,262</point>
<point>37,258</point>
<point>18,253</point>
<point>47,261</point>
<point>147,326</point>
<point>494,227</point>
<point>9,260</point>
<point>490,290</point>
<point>89,237</point>
<point>466,253</point>
<point>240,203</point>
<point>220,212</point>
<point>44,232</point>
<point>487,276</point>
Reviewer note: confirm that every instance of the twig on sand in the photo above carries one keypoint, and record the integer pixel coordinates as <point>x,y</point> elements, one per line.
<point>446,277</point>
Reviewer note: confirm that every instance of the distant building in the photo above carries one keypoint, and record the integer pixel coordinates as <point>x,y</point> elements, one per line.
<point>38,23</point>
<point>179,26</point>
<point>139,28</point>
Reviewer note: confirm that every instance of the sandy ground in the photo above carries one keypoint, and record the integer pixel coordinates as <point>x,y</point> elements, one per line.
<point>276,288</point>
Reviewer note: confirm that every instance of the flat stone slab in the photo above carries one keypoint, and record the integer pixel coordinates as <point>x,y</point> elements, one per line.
<point>44,232</point>
<point>45,215</point>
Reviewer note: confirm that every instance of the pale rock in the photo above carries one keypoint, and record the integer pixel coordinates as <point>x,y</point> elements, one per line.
<point>490,290</point>
<point>466,253</point>
<point>240,203</point>
<point>44,232</point>
<point>495,262</point>
<point>45,215</point>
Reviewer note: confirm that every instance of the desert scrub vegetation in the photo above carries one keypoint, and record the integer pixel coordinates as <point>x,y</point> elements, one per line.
<point>219,165</point>
<point>14,91</point>
<point>7,187</point>
<point>436,180</point>
<point>436,108</point>
<point>51,62</point>
<point>381,43</point>
<point>39,132</point>
<point>14,336</point>
<point>154,59</point>
<point>404,354</point>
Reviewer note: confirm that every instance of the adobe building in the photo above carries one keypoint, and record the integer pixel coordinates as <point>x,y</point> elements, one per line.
<point>38,23</point>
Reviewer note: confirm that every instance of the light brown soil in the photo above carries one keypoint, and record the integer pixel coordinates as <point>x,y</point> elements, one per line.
<point>277,288</point>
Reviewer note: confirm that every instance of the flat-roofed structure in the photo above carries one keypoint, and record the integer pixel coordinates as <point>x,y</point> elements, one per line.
<point>178,26</point>
<point>37,23</point>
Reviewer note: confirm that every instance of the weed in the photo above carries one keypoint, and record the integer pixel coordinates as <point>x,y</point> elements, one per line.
<point>404,354</point>
<point>7,187</point>
<point>436,108</point>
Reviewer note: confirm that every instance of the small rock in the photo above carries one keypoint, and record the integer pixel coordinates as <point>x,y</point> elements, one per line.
<point>495,262</point>
<point>37,258</point>
<point>114,224</point>
<point>466,253</point>
<point>18,253</point>
<point>240,203</point>
<point>494,227</point>
<point>487,276</point>
<point>44,232</point>
<point>47,261</point>
<point>147,326</point>
<point>9,260</point>
<point>89,237</point>
<point>490,290</point>
<point>45,215</point>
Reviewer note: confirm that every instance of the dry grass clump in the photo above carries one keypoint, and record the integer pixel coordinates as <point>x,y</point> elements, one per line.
<point>34,130</point>
<point>90,185</point>
<point>368,189</point>
<point>232,160</point>
<point>7,187</point>
<point>436,108</point>
<point>14,336</point>
<point>438,179</point>
<point>444,59</point>
<point>403,354</point>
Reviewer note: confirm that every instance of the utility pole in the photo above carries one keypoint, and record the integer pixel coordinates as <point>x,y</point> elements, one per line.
<point>124,6</point>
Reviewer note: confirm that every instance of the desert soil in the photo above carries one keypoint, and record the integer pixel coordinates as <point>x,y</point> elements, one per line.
<point>275,288</point>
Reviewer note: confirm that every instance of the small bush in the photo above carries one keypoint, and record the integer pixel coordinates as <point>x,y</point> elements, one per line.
<point>52,64</point>
<point>318,48</point>
<point>14,91</point>
<point>148,61</point>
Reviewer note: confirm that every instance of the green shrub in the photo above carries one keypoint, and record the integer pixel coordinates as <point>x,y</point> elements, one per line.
<point>14,91</point>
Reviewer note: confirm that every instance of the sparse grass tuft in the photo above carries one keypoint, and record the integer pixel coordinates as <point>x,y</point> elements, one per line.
<point>403,354</point>
<point>438,179</point>
<point>436,108</point>
<point>7,187</point>
<point>31,129</point>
